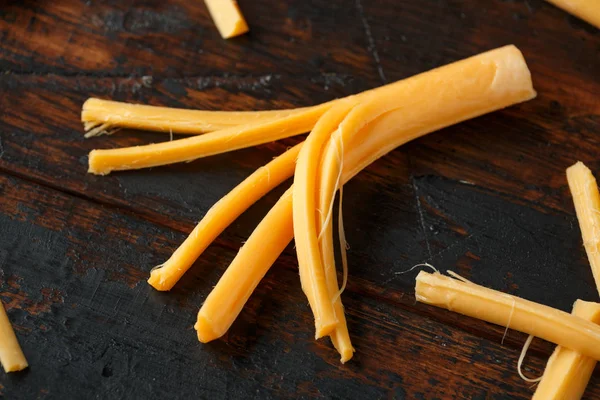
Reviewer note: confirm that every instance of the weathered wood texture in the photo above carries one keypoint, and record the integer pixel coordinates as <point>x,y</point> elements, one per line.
<point>487,198</point>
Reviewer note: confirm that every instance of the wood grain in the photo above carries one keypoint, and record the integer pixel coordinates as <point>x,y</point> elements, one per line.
<point>108,332</point>
<point>487,198</point>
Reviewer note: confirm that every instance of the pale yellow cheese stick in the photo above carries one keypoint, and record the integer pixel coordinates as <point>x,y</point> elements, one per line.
<point>510,311</point>
<point>587,205</point>
<point>227,17</point>
<point>568,372</point>
<point>587,10</point>
<point>11,355</point>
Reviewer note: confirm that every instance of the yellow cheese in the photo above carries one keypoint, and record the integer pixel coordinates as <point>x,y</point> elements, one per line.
<point>102,162</point>
<point>221,215</point>
<point>227,17</point>
<point>228,297</point>
<point>312,273</point>
<point>587,10</point>
<point>568,372</point>
<point>514,312</point>
<point>11,355</point>
<point>100,116</point>
<point>587,205</point>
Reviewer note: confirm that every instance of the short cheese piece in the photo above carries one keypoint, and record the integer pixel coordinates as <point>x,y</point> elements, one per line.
<point>227,17</point>
<point>11,355</point>
<point>587,205</point>
<point>568,372</point>
<point>514,312</point>
<point>587,10</point>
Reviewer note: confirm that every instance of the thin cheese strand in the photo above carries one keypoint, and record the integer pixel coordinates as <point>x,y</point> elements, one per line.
<point>102,162</point>
<point>221,215</point>
<point>587,205</point>
<point>312,273</point>
<point>114,114</point>
<point>11,355</point>
<point>568,372</point>
<point>495,307</point>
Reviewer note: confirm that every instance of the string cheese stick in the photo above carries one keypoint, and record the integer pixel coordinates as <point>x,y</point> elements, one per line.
<point>227,17</point>
<point>102,162</point>
<point>11,355</point>
<point>312,273</point>
<point>587,205</point>
<point>587,10</point>
<point>221,215</point>
<point>503,309</point>
<point>99,116</point>
<point>403,125</point>
<point>568,372</point>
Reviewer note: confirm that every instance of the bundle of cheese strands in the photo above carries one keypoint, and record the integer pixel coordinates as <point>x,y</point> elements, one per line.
<point>346,135</point>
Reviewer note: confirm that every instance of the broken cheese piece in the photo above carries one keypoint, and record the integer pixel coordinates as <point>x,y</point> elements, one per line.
<point>227,17</point>
<point>505,310</point>
<point>568,372</point>
<point>587,10</point>
<point>587,205</point>
<point>11,355</point>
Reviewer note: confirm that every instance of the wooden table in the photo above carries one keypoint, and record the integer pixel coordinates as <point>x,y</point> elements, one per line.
<point>487,198</point>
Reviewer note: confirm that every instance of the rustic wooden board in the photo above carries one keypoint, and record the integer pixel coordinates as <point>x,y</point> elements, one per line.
<point>487,198</point>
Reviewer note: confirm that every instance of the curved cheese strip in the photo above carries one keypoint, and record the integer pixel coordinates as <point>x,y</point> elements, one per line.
<point>312,273</point>
<point>227,17</point>
<point>587,10</point>
<point>11,355</point>
<point>102,162</point>
<point>401,126</point>
<point>587,205</point>
<point>568,372</point>
<point>100,115</point>
<point>509,311</point>
<point>221,215</point>
<point>340,337</point>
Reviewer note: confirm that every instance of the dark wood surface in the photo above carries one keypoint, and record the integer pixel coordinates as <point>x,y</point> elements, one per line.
<point>487,198</point>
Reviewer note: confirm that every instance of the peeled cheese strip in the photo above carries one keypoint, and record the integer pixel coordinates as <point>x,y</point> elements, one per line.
<point>312,273</point>
<point>227,17</point>
<point>102,162</point>
<point>261,249</point>
<point>587,10</point>
<point>403,125</point>
<point>514,312</point>
<point>99,116</point>
<point>221,215</point>
<point>11,355</point>
<point>587,205</point>
<point>568,372</point>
